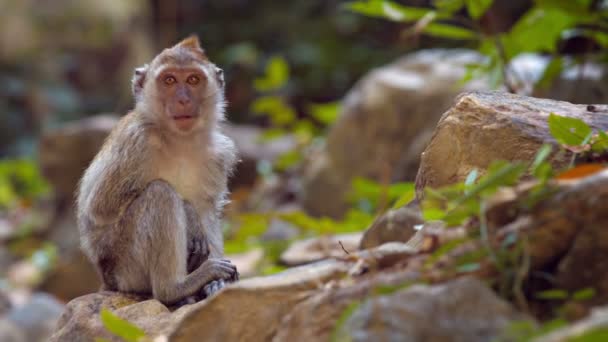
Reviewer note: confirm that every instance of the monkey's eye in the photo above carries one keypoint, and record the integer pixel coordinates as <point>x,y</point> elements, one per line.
<point>193,80</point>
<point>169,80</point>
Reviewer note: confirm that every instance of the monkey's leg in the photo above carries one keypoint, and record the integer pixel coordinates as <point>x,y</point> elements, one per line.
<point>198,245</point>
<point>162,235</point>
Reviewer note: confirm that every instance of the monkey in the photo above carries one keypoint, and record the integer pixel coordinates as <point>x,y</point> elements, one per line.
<point>149,205</point>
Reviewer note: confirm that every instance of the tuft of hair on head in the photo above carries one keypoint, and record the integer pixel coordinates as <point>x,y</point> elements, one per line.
<point>191,43</point>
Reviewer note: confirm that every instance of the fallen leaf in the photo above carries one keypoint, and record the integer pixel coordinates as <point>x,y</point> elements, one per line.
<point>581,171</point>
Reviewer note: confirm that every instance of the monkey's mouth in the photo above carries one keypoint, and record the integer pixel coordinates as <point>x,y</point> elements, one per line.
<point>184,121</point>
<point>183,117</point>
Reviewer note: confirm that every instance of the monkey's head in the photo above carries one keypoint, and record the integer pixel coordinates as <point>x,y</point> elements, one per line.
<point>180,89</point>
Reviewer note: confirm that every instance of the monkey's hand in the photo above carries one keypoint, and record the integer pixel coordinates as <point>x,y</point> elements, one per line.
<point>218,284</point>
<point>198,252</point>
<point>213,287</point>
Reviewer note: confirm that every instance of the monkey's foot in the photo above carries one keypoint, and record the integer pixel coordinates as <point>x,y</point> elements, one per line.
<point>186,301</point>
<point>213,287</point>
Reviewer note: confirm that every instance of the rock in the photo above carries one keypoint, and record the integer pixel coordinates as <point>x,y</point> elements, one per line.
<point>37,318</point>
<point>5,303</point>
<point>460,310</point>
<point>81,320</point>
<point>266,308</point>
<point>66,152</point>
<point>253,309</point>
<point>73,275</point>
<point>395,225</point>
<point>6,259</point>
<point>246,263</point>
<point>254,149</point>
<point>246,310</point>
<point>483,127</point>
<point>9,332</point>
<point>565,231</point>
<point>569,228</point>
<point>279,230</point>
<point>314,249</point>
<point>385,123</point>
<point>583,330</point>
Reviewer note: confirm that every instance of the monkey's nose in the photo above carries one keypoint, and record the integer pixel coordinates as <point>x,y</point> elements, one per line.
<point>184,101</point>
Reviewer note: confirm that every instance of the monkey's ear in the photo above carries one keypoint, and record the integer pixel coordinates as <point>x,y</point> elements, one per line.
<point>220,76</point>
<point>139,78</point>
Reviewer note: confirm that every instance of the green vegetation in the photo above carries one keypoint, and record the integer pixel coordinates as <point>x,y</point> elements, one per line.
<point>121,328</point>
<point>465,204</point>
<point>20,182</point>
<point>546,27</point>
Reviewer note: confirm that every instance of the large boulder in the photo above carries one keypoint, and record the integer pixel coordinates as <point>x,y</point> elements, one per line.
<point>81,320</point>
<point>459,310</point>
<point>566,231</point>
<point>250,310</point>
<point>386,121</point>
<point>65,152</point>
<point>483,127</point>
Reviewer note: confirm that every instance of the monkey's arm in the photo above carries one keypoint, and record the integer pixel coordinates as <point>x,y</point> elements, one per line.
<point>116,176</point>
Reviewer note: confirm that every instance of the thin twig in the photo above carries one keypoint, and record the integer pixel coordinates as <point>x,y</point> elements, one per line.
<point>344,249</point>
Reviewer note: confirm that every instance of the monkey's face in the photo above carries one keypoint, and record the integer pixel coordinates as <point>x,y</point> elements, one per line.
<point>182,95</point>
<point>181,88</point>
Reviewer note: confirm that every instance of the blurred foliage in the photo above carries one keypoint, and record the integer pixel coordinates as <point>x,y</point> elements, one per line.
<point>551,27</point>
<point>125,330</point>
<point>273,104</point>
<point>20,180</point>
<point>465,204</point>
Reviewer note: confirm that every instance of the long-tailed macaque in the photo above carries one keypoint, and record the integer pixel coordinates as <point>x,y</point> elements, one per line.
<point>149,205</point>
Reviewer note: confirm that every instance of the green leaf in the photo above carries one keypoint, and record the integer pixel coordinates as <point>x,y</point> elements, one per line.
<point>387,10</point>
<point>578,7</point>
<point>121,327</point>
<point>279,112</point>
<point>432,214</point>
<point>276,75</point>
<point>537,31</point>
<point>601,143</point>
<point>598,334</point>
<point>325,113</point>
<point>500,173</point>
<point>272,133</point>
<point>477,8</point>
<point>471,267</point>
<point>449,31</point>
<point>406,196</point>
<point>540,168</point>
<point>555,294</point>
<point>448,6</point>
<point>542,155</point>
<point>287,160</point>
<point>568,131</point>
<point>584,294</point>
<point>551,72</point>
